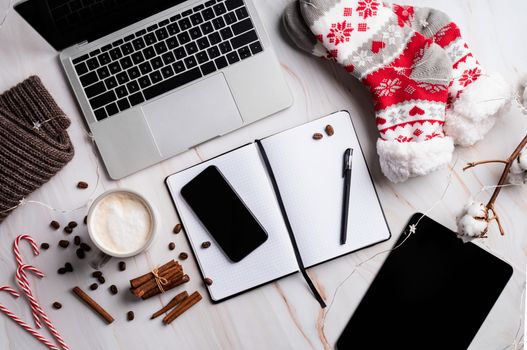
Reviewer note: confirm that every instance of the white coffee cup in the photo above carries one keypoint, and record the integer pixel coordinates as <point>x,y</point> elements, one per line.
<point>121,223</point>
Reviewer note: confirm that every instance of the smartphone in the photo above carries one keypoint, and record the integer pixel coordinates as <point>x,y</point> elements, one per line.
<point>223,213</point>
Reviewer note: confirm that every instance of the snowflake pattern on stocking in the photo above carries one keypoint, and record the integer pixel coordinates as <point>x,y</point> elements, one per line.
<point>405,14</point>
<point>432,88</point>
<point>388,87</point>
<point>391,34</point>
<point>362,58</point>
<point>397,117</point>
<point>368,8</point>
<point>340,33</point>
<point>436,113</point>
<point>469,76</point>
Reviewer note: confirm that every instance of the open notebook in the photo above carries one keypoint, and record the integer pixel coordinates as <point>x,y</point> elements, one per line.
<point>293,184</point>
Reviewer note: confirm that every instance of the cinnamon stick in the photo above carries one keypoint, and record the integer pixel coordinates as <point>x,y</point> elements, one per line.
<point>93,305</point>
<point>186,304</point>
<point>176,300</point>
<point>170,275</point>
<point>171,284</point>
<point>136,282</point>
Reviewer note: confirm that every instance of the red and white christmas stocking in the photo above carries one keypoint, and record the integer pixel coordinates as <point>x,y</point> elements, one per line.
<point>407,74</point>
<point>476,97</point>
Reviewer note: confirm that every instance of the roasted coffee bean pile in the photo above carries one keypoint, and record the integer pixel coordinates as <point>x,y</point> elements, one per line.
<point>68,267</point>
<point>330,131</point>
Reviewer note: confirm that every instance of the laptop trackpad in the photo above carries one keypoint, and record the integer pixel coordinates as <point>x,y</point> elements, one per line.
<point>192,115</point>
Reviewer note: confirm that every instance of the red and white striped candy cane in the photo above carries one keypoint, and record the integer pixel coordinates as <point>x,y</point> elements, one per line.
<point>35,304</point>
<point>20,262</point>
<point>21,323</point>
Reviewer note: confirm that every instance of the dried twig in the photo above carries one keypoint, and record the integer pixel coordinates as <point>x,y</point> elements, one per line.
<point>503,179</point>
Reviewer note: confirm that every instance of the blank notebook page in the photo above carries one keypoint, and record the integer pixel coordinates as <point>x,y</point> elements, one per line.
<point>275,258</point>
<point>309,176</point>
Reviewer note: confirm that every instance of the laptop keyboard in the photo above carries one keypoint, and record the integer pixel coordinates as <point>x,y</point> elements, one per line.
<point>166,55</point>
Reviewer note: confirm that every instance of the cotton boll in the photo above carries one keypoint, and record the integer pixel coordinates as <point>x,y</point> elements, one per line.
<point>517,179</point>
<point>516,168</point>
<point>523,91</point>
<point>476,210</point>
<point>472,227</point>
<point>522,159</point>
<point>472,223</point>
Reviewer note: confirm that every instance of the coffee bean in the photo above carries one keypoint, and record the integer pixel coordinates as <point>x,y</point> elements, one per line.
<point>55,225</point>
<point>101,280</point>
<point>205,245</point>
<point>329,130</point>
<point>96,274</point>
<point>63,243</point>
<point>57,305</point>
<point>68,266</point>
<point>44,246</point>
<point>77,240</point>
<point>318,136</point>
<point>177,228</point>
<point>85,220</point>
<point>82,185</point>
<point>183,256</point>
<point>130,316</point>
<point>61,271</point>
<point>207,281</point>
<point>80,253</point>
<point>113,289</point>
<point>85,247</point>
<point>68,230</point>
<point>94,286</point>
<point>172,246</point>
<point>122,266</point>
<point>72,224</point>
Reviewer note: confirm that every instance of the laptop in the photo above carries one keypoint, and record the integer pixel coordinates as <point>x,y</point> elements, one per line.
<point>155,78</point>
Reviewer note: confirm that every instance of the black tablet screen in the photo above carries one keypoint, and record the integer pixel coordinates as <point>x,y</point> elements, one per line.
<point>434,292</point>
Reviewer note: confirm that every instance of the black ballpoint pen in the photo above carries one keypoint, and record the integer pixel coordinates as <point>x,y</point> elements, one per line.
<point>348,163</point>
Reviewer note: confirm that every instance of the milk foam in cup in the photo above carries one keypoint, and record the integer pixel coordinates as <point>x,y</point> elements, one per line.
<point>121,223</point>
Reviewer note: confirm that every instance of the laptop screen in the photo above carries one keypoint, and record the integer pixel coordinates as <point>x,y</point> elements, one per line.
<point>64,23</point>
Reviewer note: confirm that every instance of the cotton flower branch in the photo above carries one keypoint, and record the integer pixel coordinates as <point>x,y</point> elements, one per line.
<point>476,217</point>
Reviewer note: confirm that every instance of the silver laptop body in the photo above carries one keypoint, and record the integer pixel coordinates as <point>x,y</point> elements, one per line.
<point>167,113</point>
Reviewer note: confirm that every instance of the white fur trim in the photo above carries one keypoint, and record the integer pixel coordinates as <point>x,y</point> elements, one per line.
<point>484,98</point>
<point>464,131</point>
<point>401,161</point>
<point>475,112</point>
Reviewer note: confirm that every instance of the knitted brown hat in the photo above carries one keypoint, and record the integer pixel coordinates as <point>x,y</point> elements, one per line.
<point>34,144</point>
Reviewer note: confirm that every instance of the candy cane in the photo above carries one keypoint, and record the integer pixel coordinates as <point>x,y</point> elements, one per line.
<point>34,303</point>
<point>21,323</point>
<point>20,262</point>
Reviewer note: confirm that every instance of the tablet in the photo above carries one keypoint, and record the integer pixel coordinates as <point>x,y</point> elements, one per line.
<point>434,292</point>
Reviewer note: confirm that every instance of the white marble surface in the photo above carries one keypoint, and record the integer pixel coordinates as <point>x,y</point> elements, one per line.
<point>282,315</point>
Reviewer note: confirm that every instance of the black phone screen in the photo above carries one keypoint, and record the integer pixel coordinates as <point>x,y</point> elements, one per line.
<point>223,213</point>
